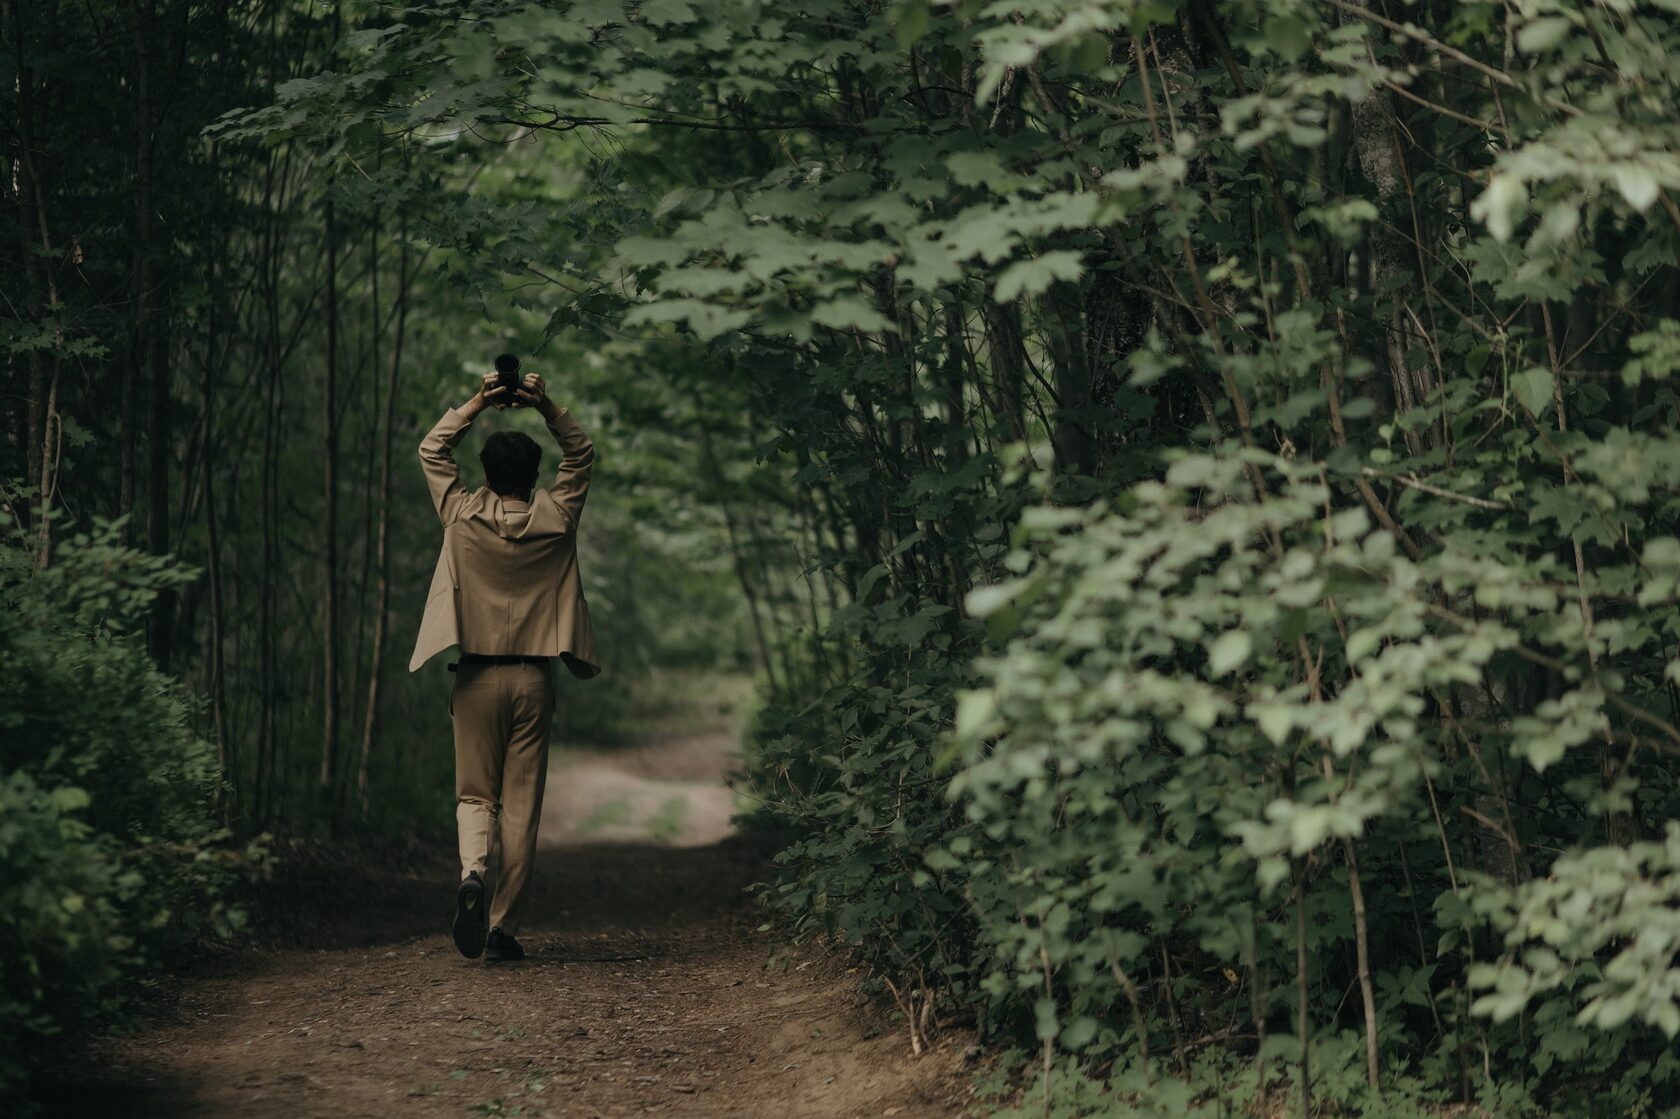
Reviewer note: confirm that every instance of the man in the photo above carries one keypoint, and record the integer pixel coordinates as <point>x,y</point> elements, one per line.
<point>506,590</point>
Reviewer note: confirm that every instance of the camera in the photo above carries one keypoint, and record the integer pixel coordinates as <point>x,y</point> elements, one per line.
<point>507,375</point>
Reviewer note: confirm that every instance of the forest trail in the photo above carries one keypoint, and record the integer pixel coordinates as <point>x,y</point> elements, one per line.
<point>647,989</point>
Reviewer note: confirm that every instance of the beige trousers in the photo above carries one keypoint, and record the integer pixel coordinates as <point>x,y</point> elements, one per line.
<point>501,714</point>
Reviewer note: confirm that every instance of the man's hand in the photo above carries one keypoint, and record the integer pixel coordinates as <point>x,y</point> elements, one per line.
<point>533,394</point>
<point>491,392</point>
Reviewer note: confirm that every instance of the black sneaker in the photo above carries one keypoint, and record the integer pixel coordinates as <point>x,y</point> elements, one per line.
<point>471,920</point>
<point>502,948</point>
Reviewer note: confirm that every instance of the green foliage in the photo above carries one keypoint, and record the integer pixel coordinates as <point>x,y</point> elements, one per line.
<point>1202,477</point>
<point>111,859</point>
<point>1215,1083</point>
<point>1144,783</point>
<point>1596,935</point>
<point>859,793</point>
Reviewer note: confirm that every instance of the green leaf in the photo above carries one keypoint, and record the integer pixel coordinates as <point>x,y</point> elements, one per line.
<point>981,601</point>
<point>1543,34</point>
<point>1308,828</point>
<point>977,168</point>
<point>941,859</point>
<point>850,311</point>
<point>1044,1015</point>
<point>910,21</point>
<point>1636,184</point>
<point>1476,360</point>
<point>1665,1016</point>
<point>1288,36</point>
<point>69,798</point>
<point>1274,720</point>
<point>1534,388</point>
<point>1032,277</point>
<point>1501,205</point>
<point>666,12</point>
<point>1542,750</point>
<point>1361,643</point>
<point>1079,1033</point>
<point>976,714</point>
<point>1228,652</point>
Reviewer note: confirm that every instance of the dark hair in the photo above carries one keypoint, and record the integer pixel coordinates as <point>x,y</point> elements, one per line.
<point>510,461</point>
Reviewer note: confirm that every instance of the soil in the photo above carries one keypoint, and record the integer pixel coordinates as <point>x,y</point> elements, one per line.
<point>648,988</point>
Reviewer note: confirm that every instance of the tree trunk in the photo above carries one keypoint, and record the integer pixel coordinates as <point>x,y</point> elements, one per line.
<point>1076,450</point>
<point>34,386</point>
<point>329,517</point>
<point>160,627</point>
<point>1362,943</point>
<point>370,459</point>
<point>1379,156</point>
<point>139,353</point>
<point>1303,1020</point>
<point>45,425</point>
<point>382,532</point>
<point>228,792</point>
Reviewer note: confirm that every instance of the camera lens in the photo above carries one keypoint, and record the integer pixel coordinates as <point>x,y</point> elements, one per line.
<point>507,363</point>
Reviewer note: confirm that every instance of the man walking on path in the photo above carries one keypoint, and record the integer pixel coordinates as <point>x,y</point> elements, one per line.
<point>507,591</point>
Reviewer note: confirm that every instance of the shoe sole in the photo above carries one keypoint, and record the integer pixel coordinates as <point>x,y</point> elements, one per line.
<point>472,924</point>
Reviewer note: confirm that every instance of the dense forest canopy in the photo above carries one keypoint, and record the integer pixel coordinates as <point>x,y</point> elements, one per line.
<point>235,345</point>
<point>1199,476</point>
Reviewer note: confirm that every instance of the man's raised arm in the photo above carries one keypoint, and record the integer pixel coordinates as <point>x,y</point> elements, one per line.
<point>571,481</point>
<point>437,450</point>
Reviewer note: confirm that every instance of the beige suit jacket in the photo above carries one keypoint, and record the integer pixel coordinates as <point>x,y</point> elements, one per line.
<point>506,581</point>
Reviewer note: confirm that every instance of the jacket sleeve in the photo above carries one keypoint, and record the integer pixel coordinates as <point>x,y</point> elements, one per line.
<point>437,459</point>
<point>571,481</point>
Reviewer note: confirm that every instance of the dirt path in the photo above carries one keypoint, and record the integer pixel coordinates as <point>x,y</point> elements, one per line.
<point>647,990</point>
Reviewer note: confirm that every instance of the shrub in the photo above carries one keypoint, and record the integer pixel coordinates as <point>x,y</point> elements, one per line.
<point>862,798</point>
<point>1243,759</point>
<point>111,858</point>
<point>1240,769</point>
